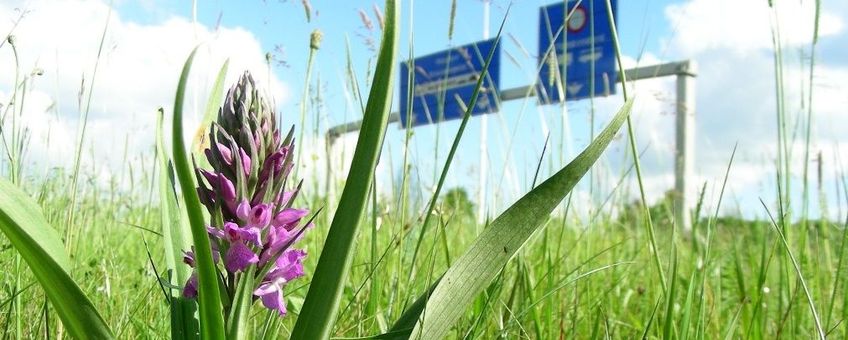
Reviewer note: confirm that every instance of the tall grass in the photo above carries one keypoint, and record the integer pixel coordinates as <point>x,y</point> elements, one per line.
<point>624,272</point>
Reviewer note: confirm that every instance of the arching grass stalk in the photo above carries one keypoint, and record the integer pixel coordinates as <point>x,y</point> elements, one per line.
<point>631,136</point>
<point>11,148</point>
<point>819,330</point>
<point>314,46</point>
<point>403,195</point>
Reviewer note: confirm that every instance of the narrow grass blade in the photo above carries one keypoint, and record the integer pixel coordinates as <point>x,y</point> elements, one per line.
<point>819,330</point>
<point>176,235</point>
<point>320,307</point>
<point>668,321</point>
<point>498,243</point>
<point>731,328</point>
<point>687,308</point>
<point>213,103</point>
<point>183,321</point>
<point>237,327</point>
<point>209,299</point>
<point>650,322</point>
<point>26,228</point>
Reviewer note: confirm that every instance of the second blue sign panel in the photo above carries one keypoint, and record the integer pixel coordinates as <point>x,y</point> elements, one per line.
<point>576,56</point>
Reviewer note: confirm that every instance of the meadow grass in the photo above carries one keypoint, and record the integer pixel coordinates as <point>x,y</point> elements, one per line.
<point>625,272</point>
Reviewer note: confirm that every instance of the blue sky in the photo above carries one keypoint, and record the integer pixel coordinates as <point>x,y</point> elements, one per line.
<point>148,40</point>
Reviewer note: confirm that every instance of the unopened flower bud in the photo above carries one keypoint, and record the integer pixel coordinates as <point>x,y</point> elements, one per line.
<point>315,39</point>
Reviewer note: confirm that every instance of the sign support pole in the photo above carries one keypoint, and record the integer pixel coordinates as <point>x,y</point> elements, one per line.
<point>684,151</point>
<point>484,129</point>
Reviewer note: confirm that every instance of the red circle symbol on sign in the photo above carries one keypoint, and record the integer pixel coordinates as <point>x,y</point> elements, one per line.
<point>577,20</point>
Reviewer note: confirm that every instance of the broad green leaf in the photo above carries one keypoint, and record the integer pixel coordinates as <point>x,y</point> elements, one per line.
<point>209,298</point>
<point>498,243</point>
<point>320,307</point>
<point>28,231</point>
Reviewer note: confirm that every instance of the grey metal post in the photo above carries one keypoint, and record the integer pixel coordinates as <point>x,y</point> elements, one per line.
<point>484,142</point>
<point>684,154</point>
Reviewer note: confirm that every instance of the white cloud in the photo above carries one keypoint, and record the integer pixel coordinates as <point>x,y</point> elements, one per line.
<point>744,26</point>
<point>736,96</point>
<point>137,73</point>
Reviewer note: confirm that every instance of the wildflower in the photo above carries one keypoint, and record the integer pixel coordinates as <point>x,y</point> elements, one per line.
<point>253,224</point>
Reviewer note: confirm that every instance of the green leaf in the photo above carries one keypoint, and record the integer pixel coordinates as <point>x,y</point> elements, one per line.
<point>668,327</point>
<point>209,298</point>
<point>183,319</point>
<point>404,324</point>
<point>237,327</point>
<point>498,243</point>
<point>26,228</point>
<point>177,238</point>
<point>687,308</point>
<point>176,234</point>
<point>320,307</point>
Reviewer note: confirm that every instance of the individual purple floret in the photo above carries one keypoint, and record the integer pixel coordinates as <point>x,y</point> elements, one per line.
<point>287,267</point>
<point>253,224</point>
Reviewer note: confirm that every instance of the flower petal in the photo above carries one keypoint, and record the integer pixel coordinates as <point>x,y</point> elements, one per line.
<point>236,233</point>
<point>190,289</point>
<point>239,257</point>
<point>274,301</point>
<point>289,217</point>
<point>245,162</point>
<point>226,189</point>
<point>290,264</point>
<point>266,288</point>
<point>215,232</point>
<point>278,237</point>
<point>285,198</point>
<point>243,210</point>
<point>188,257</point>
<point>259,216</point>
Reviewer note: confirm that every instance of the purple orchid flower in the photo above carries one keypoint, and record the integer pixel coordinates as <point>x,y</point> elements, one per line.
<point>245,192</point>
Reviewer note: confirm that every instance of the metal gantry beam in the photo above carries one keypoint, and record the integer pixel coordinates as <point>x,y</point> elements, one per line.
<point>687,68</point>
<point>684,156</point>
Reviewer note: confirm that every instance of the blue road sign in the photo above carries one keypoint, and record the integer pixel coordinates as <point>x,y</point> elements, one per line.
<point>444,83</point>
<point>581,50</point>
